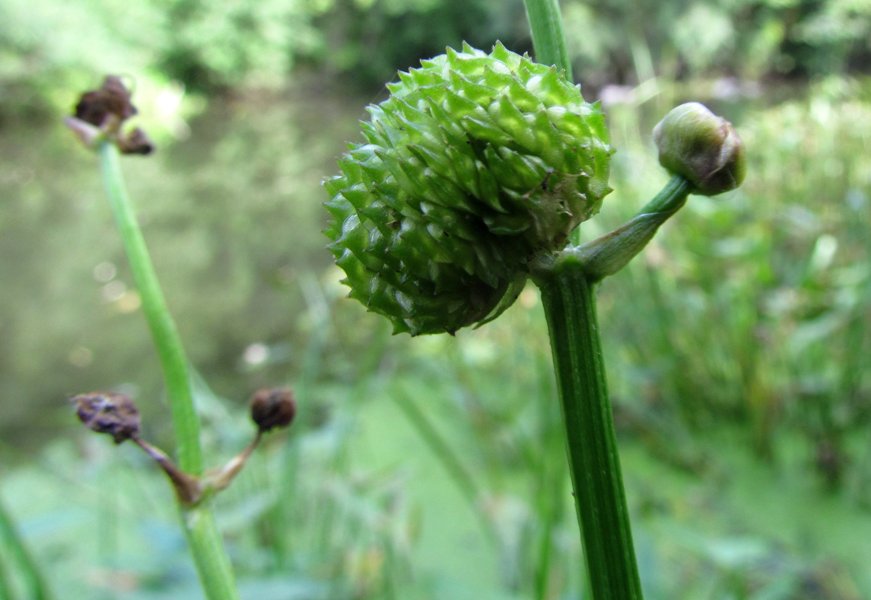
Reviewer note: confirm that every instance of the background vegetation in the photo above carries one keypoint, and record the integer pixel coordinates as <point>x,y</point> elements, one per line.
<point>432,468</point>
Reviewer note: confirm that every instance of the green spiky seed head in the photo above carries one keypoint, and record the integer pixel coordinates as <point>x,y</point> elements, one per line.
<point>475,165</point>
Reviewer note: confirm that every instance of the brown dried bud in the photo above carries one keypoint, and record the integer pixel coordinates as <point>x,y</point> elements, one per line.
<point>136,142</point>
<point>100,114</point>
<point>272,407</point>
<point>110,101</point>
<point>108,412</point>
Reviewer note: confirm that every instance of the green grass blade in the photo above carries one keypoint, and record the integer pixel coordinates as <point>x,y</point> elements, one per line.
<point>27,566</point>
<point>452,463</point>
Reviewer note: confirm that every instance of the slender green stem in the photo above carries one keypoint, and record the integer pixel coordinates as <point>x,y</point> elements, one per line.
<point>213,565</point>
<point>210,558</point>
<point>5,582</point>
<point>549,512</point>
<point>548,39</point>
<point>551,475</point>
<point>569,305</point>
<point>163,330</point>
<point>27,567</point>
<point>670,198</point>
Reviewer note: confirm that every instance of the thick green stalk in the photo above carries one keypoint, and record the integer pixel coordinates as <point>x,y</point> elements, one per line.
<point>548,39</point>
<point>212,563</point>
<point>27,567</point>
<point>569,305</point>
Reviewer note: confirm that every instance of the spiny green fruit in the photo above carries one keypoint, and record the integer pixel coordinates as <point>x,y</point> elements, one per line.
<point>475,165</point>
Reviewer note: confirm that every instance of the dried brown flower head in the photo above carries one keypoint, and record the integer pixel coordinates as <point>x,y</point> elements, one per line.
<point>112,100</point>
<point>108,412</point>
<point>272,407</point>
<point>100,114</point>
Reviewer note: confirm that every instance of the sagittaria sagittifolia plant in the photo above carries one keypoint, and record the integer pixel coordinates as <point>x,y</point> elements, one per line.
<point>472,176</point>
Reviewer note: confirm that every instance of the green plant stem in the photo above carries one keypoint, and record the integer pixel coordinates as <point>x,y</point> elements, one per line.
<point>549,44</point>
<point>163,330</point>
<point>210,557</point>
<point>552,478</point>
<point>27,567</point>
<point>213,565</point>
<point>548,39</point>
<point>5,583</point>
<point>569,305</point>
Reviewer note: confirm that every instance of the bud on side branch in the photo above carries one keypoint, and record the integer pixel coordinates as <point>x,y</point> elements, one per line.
<point>705,149</point>
<point>117,415</point>
<point>272,407</point>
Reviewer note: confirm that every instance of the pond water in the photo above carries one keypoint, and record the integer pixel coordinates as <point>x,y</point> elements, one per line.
<point>232,215</point>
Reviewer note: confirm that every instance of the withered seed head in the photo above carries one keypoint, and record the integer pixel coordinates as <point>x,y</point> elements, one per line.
<point>100,115</point>
<point>111,99</point>
<point>136,142</point>
<point>272,407</point>
<point>108,412</point>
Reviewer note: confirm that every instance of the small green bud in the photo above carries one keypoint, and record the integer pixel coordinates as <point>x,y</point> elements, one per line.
<point>475,166</point>
<point>702,147</point>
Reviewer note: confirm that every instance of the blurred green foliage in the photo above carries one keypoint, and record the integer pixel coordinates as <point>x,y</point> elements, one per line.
<point>755,308</point>
<point>735,346</point>
<point>209,46</point>
<point>736,343</point>
<point>626,42</point>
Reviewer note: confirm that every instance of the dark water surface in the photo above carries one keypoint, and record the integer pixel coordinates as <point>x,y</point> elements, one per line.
<point>232,215</point>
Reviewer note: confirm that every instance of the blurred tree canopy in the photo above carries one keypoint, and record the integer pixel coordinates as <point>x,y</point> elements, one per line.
<point>209,46</point>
